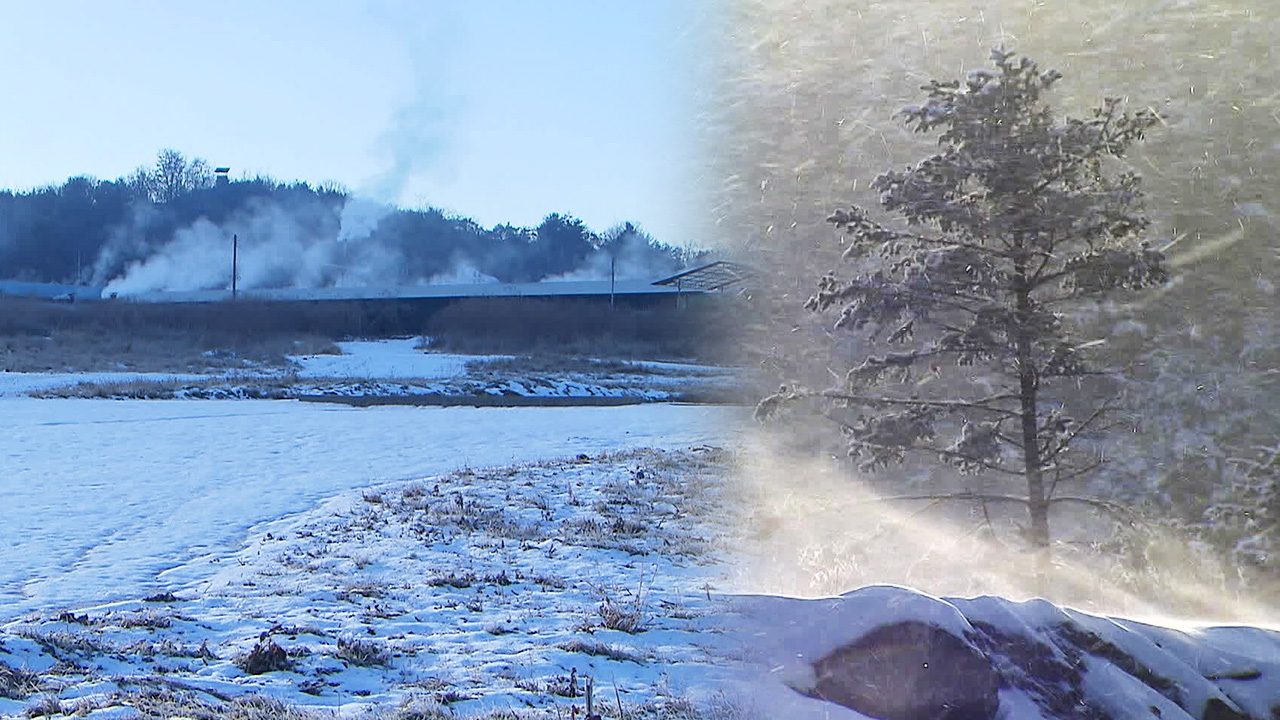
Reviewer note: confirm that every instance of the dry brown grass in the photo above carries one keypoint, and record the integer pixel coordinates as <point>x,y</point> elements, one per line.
<point>239,388</point>
<point>84,350</point>
<point>523,326</point>
<point>17,683</point>
<point>560,364</point>
<point>40,336</point>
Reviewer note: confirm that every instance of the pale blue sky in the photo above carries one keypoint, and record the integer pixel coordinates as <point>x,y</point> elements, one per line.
<point>499,111</point>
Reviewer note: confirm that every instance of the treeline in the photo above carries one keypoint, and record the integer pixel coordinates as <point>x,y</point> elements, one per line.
<point>90,231</point>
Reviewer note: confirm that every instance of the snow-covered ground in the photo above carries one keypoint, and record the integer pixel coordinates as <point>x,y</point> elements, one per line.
<point>468,592</point>
<point>337,531</point>
<point>160,555</point>
<point>110,500</point>
<point>22,383</point>
<point>395,369</point>
<point>394,359</point>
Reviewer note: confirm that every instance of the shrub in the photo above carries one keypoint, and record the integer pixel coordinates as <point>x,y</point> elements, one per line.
<point>265,657</point>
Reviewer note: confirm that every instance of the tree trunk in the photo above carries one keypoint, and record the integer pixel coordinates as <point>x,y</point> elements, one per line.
<point>1037,502</point>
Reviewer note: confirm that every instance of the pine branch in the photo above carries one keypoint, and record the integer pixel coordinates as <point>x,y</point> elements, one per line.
<point>1066,440</point>
<point>939,497</point>
<point>994,351</point>
<point>941,299</point>
<point>1044,262</point>
<point>941,452</point>
<point>859,223</point>
<point>991,350</point>
<point>1079,373</point>
<point>1064,169</point>
<point>1115,509</point>
<point>1015,442</point>
<point>1078,472</point>
<point>949,405</point>
<point>942,325</point>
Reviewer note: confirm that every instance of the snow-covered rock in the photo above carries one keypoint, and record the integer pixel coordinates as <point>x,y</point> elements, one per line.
<point>894,653</point>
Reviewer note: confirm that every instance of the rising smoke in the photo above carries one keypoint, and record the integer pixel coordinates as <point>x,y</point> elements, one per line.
<point>276,249</point>
<point>305,243</point>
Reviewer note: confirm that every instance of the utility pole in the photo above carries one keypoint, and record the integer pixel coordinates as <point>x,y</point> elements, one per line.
<point>613,273</point>
<point>235,261</point>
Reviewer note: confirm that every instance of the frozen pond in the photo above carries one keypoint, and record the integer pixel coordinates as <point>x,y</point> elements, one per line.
<point>102,497</point>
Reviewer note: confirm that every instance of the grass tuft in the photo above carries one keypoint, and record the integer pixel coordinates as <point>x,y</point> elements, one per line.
<point>599,649</point>
<point>47,706</point>
<point>17,683</point>
<point>365,653</point>
<point>613,616</point>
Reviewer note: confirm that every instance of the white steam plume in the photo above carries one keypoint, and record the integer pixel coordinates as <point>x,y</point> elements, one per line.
<point>631,257</point>
<point>461,272</point>
<point>360,218</point>
<point>303,244</point>
<point>278,247</point>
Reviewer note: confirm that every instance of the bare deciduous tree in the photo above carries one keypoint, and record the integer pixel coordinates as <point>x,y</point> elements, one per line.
<point>172,176</point>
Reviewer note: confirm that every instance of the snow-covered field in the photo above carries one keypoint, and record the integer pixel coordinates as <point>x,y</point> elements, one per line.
<point>113,499</point>
<point>395,369</point>
<point>470,592</point>
<point>21,383</point>
<point>458,559</point>
<point>391,359</point>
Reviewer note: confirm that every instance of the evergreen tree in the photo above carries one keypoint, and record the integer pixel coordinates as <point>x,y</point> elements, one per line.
<point>968,352</point>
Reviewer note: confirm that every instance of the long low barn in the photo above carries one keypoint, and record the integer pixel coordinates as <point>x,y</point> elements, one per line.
<point>359,311</point>
<point>49,291</point>
<point>712,277</point>
<point>630,289</point>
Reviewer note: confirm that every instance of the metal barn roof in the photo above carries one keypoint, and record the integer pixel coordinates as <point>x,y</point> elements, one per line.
<point>710,277</point>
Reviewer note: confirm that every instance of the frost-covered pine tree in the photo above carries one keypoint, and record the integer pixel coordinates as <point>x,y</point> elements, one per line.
<point>962,309</point>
